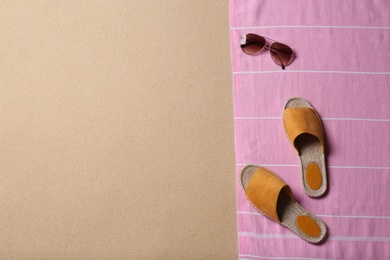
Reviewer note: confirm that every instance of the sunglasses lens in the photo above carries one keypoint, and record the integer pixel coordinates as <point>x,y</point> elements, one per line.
<point>253,44</point>
<point>281,54</point>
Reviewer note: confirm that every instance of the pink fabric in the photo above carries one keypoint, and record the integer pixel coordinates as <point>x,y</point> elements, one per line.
<point>343,69</point>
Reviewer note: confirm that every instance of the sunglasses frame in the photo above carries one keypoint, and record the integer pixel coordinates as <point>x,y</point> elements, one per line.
<point>267,46</point>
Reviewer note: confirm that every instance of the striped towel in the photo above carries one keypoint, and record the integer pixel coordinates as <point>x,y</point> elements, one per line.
<point>343,69</point>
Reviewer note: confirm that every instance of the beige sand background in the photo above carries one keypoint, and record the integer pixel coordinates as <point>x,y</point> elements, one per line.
<point>116,130</point>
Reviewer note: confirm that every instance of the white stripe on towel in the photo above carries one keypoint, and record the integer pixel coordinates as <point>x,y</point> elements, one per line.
<point>335,166</point>
<point>278,257</point>
<point>313,71</point>
<point>310,26</point>
<point>323,118</point>
<point>322,215</point>
<point>337,238</point>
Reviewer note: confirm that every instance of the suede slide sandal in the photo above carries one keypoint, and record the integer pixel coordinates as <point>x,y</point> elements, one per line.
<point>303,128</point>
<point>272,197</point>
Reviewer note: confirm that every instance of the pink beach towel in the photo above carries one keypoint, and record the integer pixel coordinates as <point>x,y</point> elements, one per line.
<point>343,69</point>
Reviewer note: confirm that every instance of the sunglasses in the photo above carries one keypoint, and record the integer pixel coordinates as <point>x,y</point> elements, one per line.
<point>253,44</point>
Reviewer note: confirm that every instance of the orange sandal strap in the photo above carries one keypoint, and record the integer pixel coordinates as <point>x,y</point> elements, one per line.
<point>302,120</point>
<point>263,192</point>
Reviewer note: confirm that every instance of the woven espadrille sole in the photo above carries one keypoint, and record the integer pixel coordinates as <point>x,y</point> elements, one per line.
<point>311,152</point>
